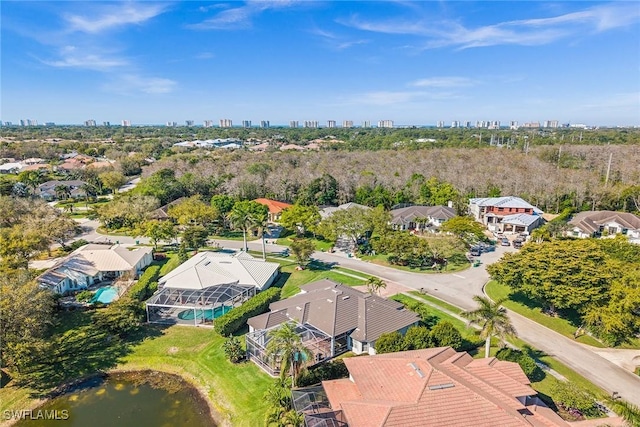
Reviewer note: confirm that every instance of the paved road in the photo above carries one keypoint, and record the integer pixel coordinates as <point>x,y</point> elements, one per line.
<point>459,289</point>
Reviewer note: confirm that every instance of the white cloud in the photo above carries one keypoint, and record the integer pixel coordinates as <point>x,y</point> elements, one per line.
<point>443,82</point>
<point>71,57</point>
<point>114,16</point>
<point>134,83</point>
<point>528,32</point>
<point>241,17</point>
<point>335,41</point>
<point>205,55</point>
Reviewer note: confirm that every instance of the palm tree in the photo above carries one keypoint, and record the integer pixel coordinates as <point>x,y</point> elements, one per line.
<point>628,412</point>
<point>492,318</point>
<point>245,215</point>
<point>375,284</point>
<point>286,345</point>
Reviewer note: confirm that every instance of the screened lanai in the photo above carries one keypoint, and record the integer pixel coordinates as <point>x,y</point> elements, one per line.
<point>313,339</point>
<point>196,306</point>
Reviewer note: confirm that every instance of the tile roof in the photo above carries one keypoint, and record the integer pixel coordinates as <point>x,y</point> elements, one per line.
<point>411,213</point>
<point>436,387</point>
<point>207,269</point>
<point>274,206</point>
<point>336,309</point>
<point>505,202</point>
<point>329,210</point>
<point>520,219</point>
<point>590,221</point>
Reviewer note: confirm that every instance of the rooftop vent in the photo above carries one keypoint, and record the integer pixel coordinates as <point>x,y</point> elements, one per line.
<point>345,297</point>
<point>207,263</point>
<point>418,371</point>
<point>441,386</point>
<point>329,300</point>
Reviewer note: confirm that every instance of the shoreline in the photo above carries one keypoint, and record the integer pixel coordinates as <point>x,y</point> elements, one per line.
<point>189,383</point>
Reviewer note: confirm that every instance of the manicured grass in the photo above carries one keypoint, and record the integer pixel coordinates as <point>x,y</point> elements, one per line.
<point>321,245</point>
<point>168,264</point>
<point>436,301</point>
<point>497,291</point>
<point>382,260</point>
<point>233,235</point>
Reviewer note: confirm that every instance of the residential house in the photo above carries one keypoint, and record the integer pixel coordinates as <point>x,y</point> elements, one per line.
<point>425,388</point>
<point>605,223</point>
<point>506,214</point>
<point>94,263</point>
<point>208,285</point>
<point>327,211</point>
<point>331,319</point>
<point>11,167</point>
<point>50,190</point>
<point>162,213</point>
<point>420,218</point>
<point>275,208</point>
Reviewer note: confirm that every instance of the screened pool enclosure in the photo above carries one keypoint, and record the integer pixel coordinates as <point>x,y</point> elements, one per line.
<point>196,306</point>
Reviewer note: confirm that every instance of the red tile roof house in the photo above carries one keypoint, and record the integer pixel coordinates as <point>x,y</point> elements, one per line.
<point>275,208</point>
<point>331,319</point>
<point>422,388</point>
<point>506,214</point>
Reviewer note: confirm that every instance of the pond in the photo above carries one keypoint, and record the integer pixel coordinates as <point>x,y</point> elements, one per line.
<point>141,399</point>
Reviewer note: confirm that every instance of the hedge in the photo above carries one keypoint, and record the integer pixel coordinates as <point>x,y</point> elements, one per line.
<point>332,370</point>
<point>146,284</point>
<point>526,362</point>
<point>234,319</point>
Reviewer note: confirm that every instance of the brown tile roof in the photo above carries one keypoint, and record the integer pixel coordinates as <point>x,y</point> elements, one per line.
<point>412,213</point>
<point>590,221</point>
<point>273,205</point>
<point>335,309</point>
<point>435,387</point>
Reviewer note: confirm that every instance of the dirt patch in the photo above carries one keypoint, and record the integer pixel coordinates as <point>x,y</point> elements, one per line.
<point>173,350</point>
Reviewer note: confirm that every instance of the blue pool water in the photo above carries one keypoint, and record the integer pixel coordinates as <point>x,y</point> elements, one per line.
<point>208,314</point>
<point>105,295</point>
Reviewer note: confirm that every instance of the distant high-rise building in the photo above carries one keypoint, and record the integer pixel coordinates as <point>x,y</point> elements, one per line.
<point>208,123</point>
<point>513,125</point>
<point>226,123</point>
<point>8,123</point>
<point>246,124</point>
<point>531,125</point>
<point>32,122</point>
<point>126,123</point>
<point>455,124</point>
<point>331,123</point>
<point>172,124</point>
<point>22,122</point>
<point>106,124</point>
<point>467,124</point>
<point>313,124</point>
<point>188,123</point>
<point>366,124</point>
<point>90,123</point>
<point>551,124</point>
<point>347,123</point>
<point>440,124</point>
<point>293,123</point>
<point>385,123</point>
<point>264,124</point>
<point>495,124</point>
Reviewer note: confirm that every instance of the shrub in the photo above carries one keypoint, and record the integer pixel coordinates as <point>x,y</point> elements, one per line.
<point>390,343</point>
<point>84,296</point>
<point>445,334</point>
<point>326,371</point>
<point>572,397</point>
<point>233,320</point>
<point>417,337</point>
<point>233,349</point>
<point>526,362</point>
<point>144,287</point>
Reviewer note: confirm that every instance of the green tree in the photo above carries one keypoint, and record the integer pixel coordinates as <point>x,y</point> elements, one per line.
<point>247,214</point>
<point>223,204</point>
<point>195,237</point>
<point>162,185</point>
<point>285,346</point>
<point>157,230</point>
<point>492,319</point>
<point>113,180</point>
<point>302,250</point>
<point>390,342</point>
<point>300,218</point>
<point>445,334</point>
<point>19,244</point>
<point>192,211</point>
<point>375,285</point>
<point>31,179</point>
<point>465,227</point>
<point>352,223</point>
<point>126,211</point>
<point>233,349</point>
<point>320,191</point>
<point>417,338</point>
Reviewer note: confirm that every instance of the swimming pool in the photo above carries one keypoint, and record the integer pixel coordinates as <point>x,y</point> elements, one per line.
<point>105,295</point>
<point>207,314</point>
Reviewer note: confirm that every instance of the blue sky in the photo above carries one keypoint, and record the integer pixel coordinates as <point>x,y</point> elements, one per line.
<point>411,62</point>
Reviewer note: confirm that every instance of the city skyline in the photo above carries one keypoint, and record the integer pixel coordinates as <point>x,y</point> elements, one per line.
<point>410,63</point>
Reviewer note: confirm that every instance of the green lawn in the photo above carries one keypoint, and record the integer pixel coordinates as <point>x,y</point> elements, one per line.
<point>436,301</point>
<point>382,260</point>
<point>533,311</point>
<point>321,245</point>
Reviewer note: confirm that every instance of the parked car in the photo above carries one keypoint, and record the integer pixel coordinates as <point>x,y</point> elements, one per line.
<point>505,242</point>
<point>517,243</point>
<point>475,251</point>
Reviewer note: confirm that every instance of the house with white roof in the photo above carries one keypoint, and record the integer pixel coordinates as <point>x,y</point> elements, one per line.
<point>327,211</point>
<point>506,214</point>
<point>11,167</point>
<point>93,263</point>
<point>208,285</point>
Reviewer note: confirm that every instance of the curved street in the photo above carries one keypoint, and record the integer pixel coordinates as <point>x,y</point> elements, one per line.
<point>459,289</point>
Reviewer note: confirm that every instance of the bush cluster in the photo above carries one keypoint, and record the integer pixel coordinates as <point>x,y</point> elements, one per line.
<point>233,320</point>
<point>526,362</point>
<point>146,285</point>
<point>418,337</point>
<point>327,371</point>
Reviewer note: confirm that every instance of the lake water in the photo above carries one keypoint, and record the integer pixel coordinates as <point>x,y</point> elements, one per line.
<point>120,400</point>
